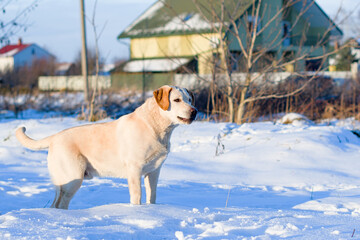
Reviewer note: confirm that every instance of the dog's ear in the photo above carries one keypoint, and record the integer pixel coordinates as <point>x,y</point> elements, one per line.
<point>192,96</point>
<point>162,97</point>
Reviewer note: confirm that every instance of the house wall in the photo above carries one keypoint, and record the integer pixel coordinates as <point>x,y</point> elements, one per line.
<point>201,45</point>
<point>6,63</point>
<point>272,32</point>
<point>270,27</point>
<point>29,54</point>
<point>314,33</point>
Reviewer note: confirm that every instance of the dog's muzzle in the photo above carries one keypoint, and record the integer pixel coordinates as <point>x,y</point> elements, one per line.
<point>193,113</point>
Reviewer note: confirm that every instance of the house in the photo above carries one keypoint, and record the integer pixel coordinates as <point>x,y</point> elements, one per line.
<point>347,56</point>
<point>13,56</point>
<point>65,69</point>
<point>355,52</point>
<point>183,36</point>
<point>106,69</point>
<point>355,49</point>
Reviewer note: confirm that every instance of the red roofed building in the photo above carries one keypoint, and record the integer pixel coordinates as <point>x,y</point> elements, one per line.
<point>13,56</point>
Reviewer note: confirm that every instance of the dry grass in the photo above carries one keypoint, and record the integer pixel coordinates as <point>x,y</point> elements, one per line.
<point>321,99</point>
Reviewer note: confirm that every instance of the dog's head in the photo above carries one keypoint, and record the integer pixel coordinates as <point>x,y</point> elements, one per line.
<point>176,103</point>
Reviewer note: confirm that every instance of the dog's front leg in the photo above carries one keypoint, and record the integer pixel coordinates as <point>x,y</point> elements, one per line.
<point>134,182</point>
<point>151,180</point>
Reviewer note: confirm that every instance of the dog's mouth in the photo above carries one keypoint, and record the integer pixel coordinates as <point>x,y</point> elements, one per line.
<point>186,120</point>
<point>193,113</point>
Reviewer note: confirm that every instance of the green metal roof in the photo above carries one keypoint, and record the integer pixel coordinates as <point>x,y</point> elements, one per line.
<point>177,17</point>
<point>167,17</point>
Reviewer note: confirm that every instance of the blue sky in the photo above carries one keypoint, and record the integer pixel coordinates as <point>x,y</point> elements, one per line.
<point>55,24</point>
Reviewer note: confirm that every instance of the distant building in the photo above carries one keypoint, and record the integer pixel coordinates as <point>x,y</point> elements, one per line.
<point>65,69</point>
<point>13,56</point>
<point>106,69</point>
<point>355,50</point>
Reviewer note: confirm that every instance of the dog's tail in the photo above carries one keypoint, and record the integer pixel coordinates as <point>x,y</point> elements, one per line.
<point>31,143</point>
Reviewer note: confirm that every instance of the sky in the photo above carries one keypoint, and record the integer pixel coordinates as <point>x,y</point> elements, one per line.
<point>56,25</point>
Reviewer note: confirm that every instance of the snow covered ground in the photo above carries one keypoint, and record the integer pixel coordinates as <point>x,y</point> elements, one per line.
<point>221,181</point>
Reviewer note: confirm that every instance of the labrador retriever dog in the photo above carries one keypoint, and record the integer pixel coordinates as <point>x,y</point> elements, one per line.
<point>132,146</point>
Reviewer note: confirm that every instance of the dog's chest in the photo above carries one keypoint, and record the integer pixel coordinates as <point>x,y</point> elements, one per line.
<point>155,156</point>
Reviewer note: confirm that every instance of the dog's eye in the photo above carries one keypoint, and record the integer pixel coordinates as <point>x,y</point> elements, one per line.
<point>177,100</point>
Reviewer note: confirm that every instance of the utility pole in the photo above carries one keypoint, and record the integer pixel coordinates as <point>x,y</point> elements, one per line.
<point>84,64</point>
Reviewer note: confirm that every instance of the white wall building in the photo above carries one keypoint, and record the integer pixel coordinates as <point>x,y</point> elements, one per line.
<point>17,55</point>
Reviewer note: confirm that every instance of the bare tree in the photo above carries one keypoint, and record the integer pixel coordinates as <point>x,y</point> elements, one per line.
<point>93,59</point>
<point>258,56</point>
<point>13,24</point>
<point>20,83</point>
<point>97,36</point>
<point>94,64</point>
<point>265,38</point>
<point>251,39</point>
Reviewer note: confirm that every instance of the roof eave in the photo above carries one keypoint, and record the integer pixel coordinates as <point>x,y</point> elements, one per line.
<point>28,45</point>
<point>164,34</point>
<point>330,20</point>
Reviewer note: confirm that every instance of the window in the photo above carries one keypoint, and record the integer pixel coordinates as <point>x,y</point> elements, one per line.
<point>313,65</point>
<point>235,57</point>
<point>188,16</point>
<point>286,32</point>
<point>216,60</point>
<point>214,42</point>
<point>251,24</point>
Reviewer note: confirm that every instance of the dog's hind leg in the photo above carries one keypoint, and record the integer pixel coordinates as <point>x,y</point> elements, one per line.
<point>67,171</point>
<point>64,194</point>
<point>57,193</point>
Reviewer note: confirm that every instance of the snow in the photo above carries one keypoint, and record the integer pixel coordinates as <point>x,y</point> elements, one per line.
<point>9,53</point>
<point>155,65</point>
<point>186,21</point>
<point>177,23</point>
<point>268,181</point>
<point>295,119</point>
<point>149,13</point>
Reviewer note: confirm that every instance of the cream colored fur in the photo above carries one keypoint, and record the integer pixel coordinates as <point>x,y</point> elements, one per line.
<point>132,146</point>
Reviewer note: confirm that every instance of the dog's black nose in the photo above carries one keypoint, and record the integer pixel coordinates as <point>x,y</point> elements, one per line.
<point>193,113</point>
